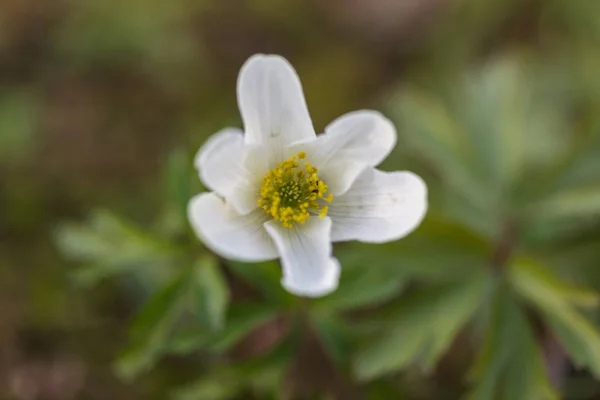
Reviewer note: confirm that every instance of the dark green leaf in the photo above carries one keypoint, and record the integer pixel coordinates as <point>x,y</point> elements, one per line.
<point>421,327</point>
<point>266,278</point>
<point>362,286</point>
<point>179,189</point>
<point>576,202</point>
<point>110,245</point>
<point>558,303</point>
<point>151,327</point>
<point>538,282</point>
<point>185,341</point>
<point>241,320</point>
<point>211,292</point>
<point>262,375</point>
<point>438,251</point>
<point>510,365</point>
<point>335,336</point>
<point>135,360</point>
<point>162,307</point>
<point>221,385</point>
<point>430,128</point>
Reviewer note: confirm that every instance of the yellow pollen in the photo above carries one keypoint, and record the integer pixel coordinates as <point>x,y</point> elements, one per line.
<point>292,192</point>
<point>323,211</point>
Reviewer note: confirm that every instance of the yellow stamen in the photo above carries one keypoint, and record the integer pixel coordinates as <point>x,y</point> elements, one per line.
<point>292,192</point>
<point>323,212</point>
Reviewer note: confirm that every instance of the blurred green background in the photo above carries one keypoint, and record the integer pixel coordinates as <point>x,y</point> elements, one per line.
<point>106,294</point>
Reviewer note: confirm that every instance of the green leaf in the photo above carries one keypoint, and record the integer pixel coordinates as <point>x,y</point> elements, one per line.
<point>260,375</point>
<point>493,112</point>
<point>421,327</point>
<point>179,188</point>
<point>453,208</point>
<point>185,341</point>
<point>242,319</point>
<point>575,202</point>
<point>211,292</point>
<point>134,361</point>
<point>510,365</point>
<point>362,285</point>
<point>110,246</point>
<point>582,168</point>
<point>577,260</point>
<point>337,338</point>
<point>265,374</point>
<point>151,327</point>
<point>431,130</point>
<point>439,250</point>
<point>266,278</point>
<point>490,133</point>
<point>558,303</point>
<point>540,282</point>
<point>221,385</point>
<point>509,109</point>
<point>178,180</point>
<point>162,307</point>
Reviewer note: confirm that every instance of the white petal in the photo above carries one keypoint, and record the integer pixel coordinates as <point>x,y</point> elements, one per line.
<point>272,103</point>
<point>362,136</point>
<point>229,234</point>
<point>224,148</point>
<point>339,174</point>
<point>229,168</point>
<point>379,207</point>
<point>308,268</point>
<point>350,144</point>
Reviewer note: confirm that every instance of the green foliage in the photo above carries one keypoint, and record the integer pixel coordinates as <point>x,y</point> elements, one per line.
<point>179,186</point>
<point>420,327</point>
<point>509,144</point>
<point>151,327</point>
<point>502,130</point>
<point>337,337</point>
<point>242,319</point>
<point>265,278</point>
<point>363,288</point>
<point>458,251</point>
<point>510,364</point>
<point>160,327</point>
<point>261,377</point>
<point>211,292</point>
<point>109,246</point>
<point>558,303</point>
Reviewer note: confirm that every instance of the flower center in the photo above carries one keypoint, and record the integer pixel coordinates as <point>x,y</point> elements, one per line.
<point>292,192</point>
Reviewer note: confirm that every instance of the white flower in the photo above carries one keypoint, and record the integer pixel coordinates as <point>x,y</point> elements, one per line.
<point>279,190</point>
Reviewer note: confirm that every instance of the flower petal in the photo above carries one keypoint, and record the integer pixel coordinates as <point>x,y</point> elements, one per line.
<point>362,136</point>
<point>350,144</point>
<point>340,174</point>
<point>308,268</point>
<point>272,103</point>
<point>231,169</point>
<point>379,207</point>
<point>229,234</point>
<point>224,148</point>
